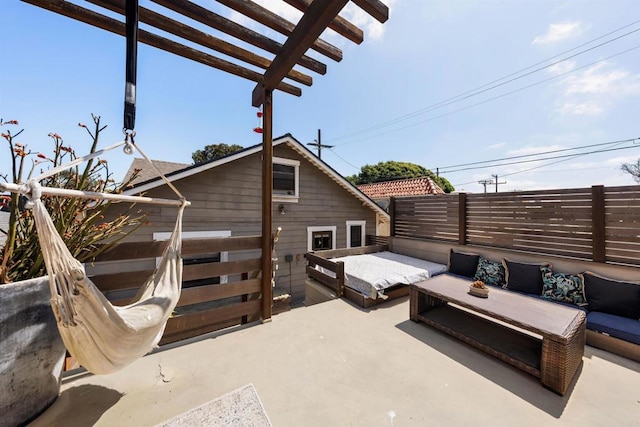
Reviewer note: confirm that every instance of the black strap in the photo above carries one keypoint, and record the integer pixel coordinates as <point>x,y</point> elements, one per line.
<point>131,65</point>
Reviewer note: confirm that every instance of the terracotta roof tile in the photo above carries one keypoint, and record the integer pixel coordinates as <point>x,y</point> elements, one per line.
<point>401,187</point>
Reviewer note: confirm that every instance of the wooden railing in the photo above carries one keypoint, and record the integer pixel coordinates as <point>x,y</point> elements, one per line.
<point>599,224</point>
<point>335,279</point>
<point>371,240</point>
<point>201,308</point>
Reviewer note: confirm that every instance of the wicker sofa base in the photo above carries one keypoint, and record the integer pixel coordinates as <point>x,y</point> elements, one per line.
<point>613,345</point>
<point>443,303</point>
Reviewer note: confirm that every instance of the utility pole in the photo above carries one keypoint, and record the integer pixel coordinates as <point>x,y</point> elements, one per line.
<point>318,143</point>
<point>485,182</point>
<point>498,183</point>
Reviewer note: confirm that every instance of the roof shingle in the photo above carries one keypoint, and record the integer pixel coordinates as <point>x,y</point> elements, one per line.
<point>401,187</point>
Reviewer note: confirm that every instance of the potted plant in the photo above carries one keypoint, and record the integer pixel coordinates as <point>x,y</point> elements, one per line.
<point>31,350</point>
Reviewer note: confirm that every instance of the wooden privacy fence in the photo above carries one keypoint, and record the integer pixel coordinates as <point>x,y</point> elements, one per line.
<point>204,305</point>
<point>600,223</point>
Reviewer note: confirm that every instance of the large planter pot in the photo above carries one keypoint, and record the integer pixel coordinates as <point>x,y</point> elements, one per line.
<point>31,351</point>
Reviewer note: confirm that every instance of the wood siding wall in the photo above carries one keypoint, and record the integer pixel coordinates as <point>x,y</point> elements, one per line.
<point>596,224</point>
<point>228,197</point>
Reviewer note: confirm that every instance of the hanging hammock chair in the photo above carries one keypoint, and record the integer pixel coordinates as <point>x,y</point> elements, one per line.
<point>104,338</point>
<point>101,337</point>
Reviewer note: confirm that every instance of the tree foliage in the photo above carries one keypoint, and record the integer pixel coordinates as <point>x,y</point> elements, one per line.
<point>214,151</point>
<point>81,222</point>
<point>632,169</point>
<point>392,170</point>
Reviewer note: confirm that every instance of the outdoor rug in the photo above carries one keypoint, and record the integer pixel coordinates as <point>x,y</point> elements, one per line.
<point>239,408</point>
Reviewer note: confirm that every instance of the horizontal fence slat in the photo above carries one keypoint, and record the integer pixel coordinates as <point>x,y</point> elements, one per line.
<point>213,315</point>
<point>138,250</point>
<point>199,294</point>
<point>557,221</point>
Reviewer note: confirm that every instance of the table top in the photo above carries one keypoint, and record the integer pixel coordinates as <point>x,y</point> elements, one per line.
<point>546,318</point>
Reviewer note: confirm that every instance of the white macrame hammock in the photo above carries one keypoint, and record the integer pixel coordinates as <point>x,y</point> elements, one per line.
<point>104,338</point>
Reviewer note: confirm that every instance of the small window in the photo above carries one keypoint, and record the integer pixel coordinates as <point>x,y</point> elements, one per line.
<point>285,180</point>
<point>321,238</point>
<point>356,233</point>
<point>200,258</point>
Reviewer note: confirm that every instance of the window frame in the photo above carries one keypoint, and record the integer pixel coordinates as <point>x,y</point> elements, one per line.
<point>186,235</point>
<point>293,198</point>
<point>311,230</point>
<point>363,239</point>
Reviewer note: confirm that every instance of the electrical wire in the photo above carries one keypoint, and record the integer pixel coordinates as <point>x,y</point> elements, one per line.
<point>565,158</point>
<point>481,89</point>
<point>497,97</point>
<point>538,160</point>
<point>538,154</point>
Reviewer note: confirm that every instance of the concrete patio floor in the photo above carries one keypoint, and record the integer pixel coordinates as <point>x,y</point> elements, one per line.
<point>333,364</point>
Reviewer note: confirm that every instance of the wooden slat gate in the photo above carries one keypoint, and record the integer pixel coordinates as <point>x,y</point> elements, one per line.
<point>202,308</point>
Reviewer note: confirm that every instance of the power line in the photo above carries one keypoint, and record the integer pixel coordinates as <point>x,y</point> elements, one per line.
<point>477,90</point>
<point>538,160</point>
<point>500,96</point>
<point>538,154</point>
<point>564,159</point>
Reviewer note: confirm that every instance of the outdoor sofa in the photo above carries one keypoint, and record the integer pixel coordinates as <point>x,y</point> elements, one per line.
<point>612,306</point>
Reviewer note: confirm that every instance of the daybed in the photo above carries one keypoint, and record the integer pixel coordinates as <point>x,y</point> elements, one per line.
<point>612,306</point>
<point>369,275</point>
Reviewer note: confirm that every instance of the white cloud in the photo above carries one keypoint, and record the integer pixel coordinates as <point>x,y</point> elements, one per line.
<point>561,68</point>
<point>558,32</point>
<point>596,89</point>
<point>496,146</point>
<point>373,30</point>
<point>534,149</point>
<point>581,108</point>
<point>601,79</point>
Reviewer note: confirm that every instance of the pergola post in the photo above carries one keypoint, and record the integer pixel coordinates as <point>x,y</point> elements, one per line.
<point>267,206</point>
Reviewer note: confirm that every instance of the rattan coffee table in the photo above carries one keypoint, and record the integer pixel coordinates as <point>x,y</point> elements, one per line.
<point>540,337</point>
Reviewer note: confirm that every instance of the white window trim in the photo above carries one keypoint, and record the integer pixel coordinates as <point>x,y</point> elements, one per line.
<point>186,235</point>
<point>296,165</point>
<point>311,230</point>
<point>361,223</point>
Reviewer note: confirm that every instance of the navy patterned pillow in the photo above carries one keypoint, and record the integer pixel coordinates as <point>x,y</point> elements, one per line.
<point>563,287</point>
<point>490,272</point>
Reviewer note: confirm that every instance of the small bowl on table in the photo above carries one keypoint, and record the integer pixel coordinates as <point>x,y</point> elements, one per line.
<point>479,289</point>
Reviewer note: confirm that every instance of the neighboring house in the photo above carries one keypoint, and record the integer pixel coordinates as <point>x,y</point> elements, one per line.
<point>146,173</point>
<point>315,206</point>
<point>382,192</point>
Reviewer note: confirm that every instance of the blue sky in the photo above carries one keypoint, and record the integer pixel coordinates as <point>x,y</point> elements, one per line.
<point>384,101</point>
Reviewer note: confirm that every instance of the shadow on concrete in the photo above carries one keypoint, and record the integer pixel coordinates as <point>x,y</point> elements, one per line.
<point>78,407</point>
<point>518,382</point>
<point>383,305</point>
<point>590,352</point>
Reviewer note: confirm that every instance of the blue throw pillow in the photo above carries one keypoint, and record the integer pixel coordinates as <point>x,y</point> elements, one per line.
<point>563,287</point>
<point>490,272</point>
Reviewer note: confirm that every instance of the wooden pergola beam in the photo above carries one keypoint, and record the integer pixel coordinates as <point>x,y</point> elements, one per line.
<point>279,24</point>
<point>311,25</point>
<point>213,20</point>
<point>90,17</point>
<point>339,24</point>
<point>189,33</point>
<point>375,8</point>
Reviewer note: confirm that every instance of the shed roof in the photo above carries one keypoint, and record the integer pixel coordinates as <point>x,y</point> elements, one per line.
<point>146,173</point>
<point>288,139</point>
<point>401,187</point>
